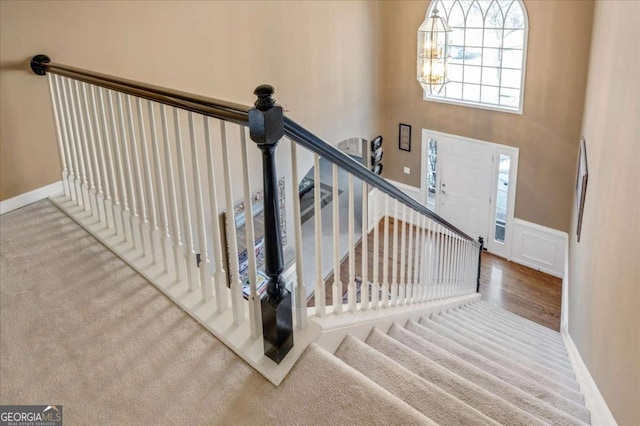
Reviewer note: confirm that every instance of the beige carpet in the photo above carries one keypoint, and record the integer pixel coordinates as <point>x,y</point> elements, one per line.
<point>80,328</point>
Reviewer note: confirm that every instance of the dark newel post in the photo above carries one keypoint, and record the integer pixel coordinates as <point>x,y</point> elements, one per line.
<point>266,126</point>
<point>481,241</point>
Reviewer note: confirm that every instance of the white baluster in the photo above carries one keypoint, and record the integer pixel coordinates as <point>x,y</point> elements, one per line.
<point>448,263</point>
<point>472,268</point>
<point>86,152</point>
<point>72,142</point>
<point>111,170</point>
<point>364,286</point>
<point>428,260</point>
<point>236,286</point>
<point>206,286</point>
<point>394,259</point>
<point>441,264</point>
<point>80,145</point>
<point>337,284</point>
<point>375,290</point>
<point>454,265</point>
<point>220,281</point>
<point>150,213</point>
<point>58,125</point>
<point>385,255</point>
<point>183,191</point>
<point>165,239</point>
<point>122,189</point>
<point>300,287</point>
<point>317,213</point>
<point>402,288</point>
<point>131,208</point>
<point>174,214</point>
<point>445,263</point>
<point>460,256</point>
<point>452,261</point>
<point>102,157</point>
<point>351,295</point>
<point>95,164</point>
<point>411,253</point>
<point>255,312</point>
<point>418,262</point>
<point>140,210</point>
<point>68,137</point>
<point>426,244</point>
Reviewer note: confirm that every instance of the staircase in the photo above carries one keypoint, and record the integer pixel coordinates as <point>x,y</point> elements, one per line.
<point>474,365</point>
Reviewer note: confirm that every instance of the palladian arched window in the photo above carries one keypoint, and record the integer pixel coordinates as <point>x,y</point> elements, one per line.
<point>488,46</point>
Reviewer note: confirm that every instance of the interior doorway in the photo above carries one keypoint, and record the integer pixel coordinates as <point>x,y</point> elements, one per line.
<point>471,183</point>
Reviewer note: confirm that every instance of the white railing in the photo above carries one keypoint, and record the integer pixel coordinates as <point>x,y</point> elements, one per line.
<point>145,177</point>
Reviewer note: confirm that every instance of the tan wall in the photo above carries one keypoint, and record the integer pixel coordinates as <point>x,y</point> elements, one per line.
<point>548,131</point>
<point>604,291</point>
<point>318,55</point>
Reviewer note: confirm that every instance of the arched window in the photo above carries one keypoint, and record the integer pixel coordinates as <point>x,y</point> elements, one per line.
<point>488,46</point>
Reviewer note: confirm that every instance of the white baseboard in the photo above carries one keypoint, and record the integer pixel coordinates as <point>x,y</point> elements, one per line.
<point>600,413</point>
<point>51,190</point>
<point>538,247</point>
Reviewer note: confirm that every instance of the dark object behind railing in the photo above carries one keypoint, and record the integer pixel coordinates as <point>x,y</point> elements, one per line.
<point>481,242</point>
<point>267,125</point>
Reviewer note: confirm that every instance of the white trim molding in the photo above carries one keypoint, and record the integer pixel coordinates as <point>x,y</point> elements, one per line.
<point>412,191</point>
<point>600,413</point>
<point>538,247</point>
<point>51,190</point>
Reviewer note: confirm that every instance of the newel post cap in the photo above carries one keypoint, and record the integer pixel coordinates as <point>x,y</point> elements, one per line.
<point>266,120</point>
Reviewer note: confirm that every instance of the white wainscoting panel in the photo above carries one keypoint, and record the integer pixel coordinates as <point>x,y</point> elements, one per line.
<point>538,247</point>
<point>51,190</point>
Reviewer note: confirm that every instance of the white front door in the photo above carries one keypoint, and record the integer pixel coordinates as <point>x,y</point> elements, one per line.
<point>465,184</point>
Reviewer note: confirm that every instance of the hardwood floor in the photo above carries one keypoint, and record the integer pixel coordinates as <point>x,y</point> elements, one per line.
<point>521,290</point>
<point>524,291</point>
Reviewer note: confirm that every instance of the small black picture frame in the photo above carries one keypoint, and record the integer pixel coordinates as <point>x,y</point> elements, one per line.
<point>404,137</point>
<point>581,184</point>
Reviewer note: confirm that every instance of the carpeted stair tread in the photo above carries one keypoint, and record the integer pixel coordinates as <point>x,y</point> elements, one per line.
<point>500,366</point>
<point>508,328</point>
<point>495,310</point>
<point>484,307</point>
<point>504,356</point>
<point>491,318</point>
<point>480,336</point>
<point>500,326</point>
<point>477,397</point>
<point>471,328</point>
<point>490,311</point>
<point>425,397</point>
<point>336,389</point>
<point>516,389</point>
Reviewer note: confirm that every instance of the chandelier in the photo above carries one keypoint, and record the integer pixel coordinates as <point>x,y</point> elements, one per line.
<point>433,55</point>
